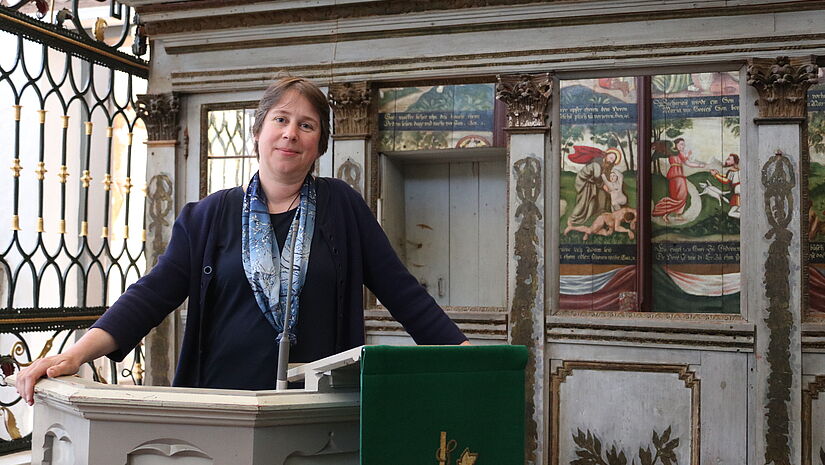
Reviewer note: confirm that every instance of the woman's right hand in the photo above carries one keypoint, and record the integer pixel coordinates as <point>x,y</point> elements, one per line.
<point>52,366</point>
<point>95,343</point>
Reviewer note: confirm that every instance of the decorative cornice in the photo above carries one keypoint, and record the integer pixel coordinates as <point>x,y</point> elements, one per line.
<point>350,102</point>
<point>782,83</point>
<point>527,97</point>
<point>159,113</point>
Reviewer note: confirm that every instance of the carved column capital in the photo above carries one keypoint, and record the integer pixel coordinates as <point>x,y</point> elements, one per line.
<point>782,84</point>
<point>527,97</point>
<point>350,102</point>
<point>159,113</point>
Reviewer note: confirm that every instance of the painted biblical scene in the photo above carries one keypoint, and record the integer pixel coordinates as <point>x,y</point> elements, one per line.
<point>435,117</point>
<point>695,188</point>
<point>598,215</point>
<point>816,190</point>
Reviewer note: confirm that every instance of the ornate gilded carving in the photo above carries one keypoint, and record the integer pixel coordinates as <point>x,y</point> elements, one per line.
<point>350,103</point>
<point>528,176</point>
<point>41,170</point>
<point>16,168</point>
<point>63,173</point>
<point>527,97</point>
<point>159,113</point>
<point>86,178</point>
<point>779,180</point>
<point>350,173</point>
<point>782,84</point>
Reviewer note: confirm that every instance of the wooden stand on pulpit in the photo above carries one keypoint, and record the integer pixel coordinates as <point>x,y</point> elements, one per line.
<point>418,405</point>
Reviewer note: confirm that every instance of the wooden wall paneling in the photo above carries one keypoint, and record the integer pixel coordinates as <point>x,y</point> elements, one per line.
<point>427,224</point>
<point>492,233</point>
<point>391,209</point>
<point>462,280</point>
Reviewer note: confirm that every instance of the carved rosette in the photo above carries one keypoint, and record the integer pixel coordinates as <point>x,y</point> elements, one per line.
<point>159,113</point>
<point>350,102</point>
<point>782,84</point>
<point>527,97</point>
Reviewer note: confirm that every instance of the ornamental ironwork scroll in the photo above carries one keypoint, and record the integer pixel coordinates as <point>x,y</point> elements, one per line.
<point>73,236</point>
<point>779,180</point>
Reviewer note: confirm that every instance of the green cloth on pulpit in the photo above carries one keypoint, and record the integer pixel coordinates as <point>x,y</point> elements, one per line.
<point>442,405</point>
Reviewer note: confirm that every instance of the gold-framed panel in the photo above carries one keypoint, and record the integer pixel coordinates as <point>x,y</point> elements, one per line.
<point>683,371</point>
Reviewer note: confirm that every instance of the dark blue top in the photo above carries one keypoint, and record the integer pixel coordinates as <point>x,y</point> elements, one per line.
<point>361,253</point>
<point>232,362</point>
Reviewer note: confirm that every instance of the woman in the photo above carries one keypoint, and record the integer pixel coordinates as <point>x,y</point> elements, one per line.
<point>224,255</point>
<point>677,183</point>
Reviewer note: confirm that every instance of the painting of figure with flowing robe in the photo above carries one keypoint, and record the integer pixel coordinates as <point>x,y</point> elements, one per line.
<point>695,185</point>
<point>598,195</point>
<point>816,194</point>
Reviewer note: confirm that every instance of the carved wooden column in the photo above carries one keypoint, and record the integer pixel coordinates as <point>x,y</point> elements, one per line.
<point>528,99</point>
<point>775,297</point>
<point>159,113</point>
<point>351,133</point>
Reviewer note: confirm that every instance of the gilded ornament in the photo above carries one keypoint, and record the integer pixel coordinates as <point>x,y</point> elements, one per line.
<point>84,228</point>
<point>104,232</point>
<point>15,223</point>
<point>86,178</point>
<point>129,137</point>
<point>99,29</point>
<point>107,182</point>
<point>350,102</point>
<point>527,97</point>
<point>17,109</point>
<point>65,119</point>
<point>782,84</point>
<point>88,125</point>
<point>16,168</point>
<point>63,173</point>
<point>42,114</point>
<point>61,227</point>
<point>109,132</point>
<point>139,372</point>
<point>126,231</point>
<point>41,170</point>
<point>40,227</point>
<point>127,186</point>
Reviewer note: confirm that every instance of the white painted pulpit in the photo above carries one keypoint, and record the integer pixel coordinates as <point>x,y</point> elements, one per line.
<point>78,421</point>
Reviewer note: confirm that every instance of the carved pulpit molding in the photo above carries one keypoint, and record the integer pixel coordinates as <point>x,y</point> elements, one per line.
<point>782,84</point>
<point>350,102</point>
<point>528,98</point>
<point>160,113</point>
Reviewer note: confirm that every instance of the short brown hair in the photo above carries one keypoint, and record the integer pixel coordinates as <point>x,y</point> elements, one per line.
<point>276,91</point>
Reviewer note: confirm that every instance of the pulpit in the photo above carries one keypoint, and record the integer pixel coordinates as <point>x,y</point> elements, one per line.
<point>376,404</point>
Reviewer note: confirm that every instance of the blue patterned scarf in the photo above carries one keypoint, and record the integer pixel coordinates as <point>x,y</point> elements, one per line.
<point>267,269</point>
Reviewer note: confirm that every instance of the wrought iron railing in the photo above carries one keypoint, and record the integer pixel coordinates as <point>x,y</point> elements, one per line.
<point>76,235</point>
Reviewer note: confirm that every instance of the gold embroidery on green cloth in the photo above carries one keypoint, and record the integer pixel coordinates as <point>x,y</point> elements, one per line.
<point>445,447</point>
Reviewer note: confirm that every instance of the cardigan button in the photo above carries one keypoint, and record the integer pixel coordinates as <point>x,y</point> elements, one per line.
<point>207,269</point>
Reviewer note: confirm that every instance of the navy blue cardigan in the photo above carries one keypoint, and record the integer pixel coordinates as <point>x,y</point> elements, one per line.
<point>360,250</point>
